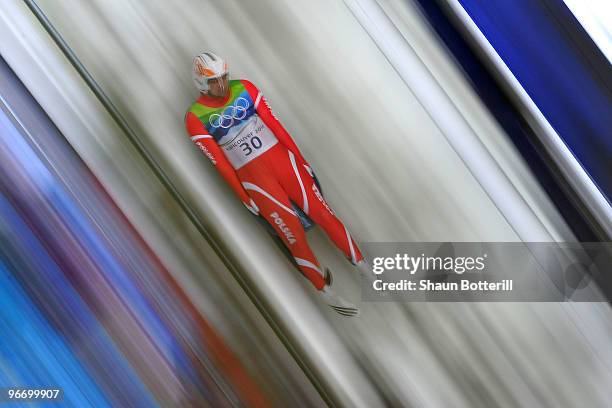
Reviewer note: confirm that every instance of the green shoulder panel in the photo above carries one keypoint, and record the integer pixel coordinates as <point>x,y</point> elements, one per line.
<point>203,111</point>
<point>199,110</point>
<point>237,87</point>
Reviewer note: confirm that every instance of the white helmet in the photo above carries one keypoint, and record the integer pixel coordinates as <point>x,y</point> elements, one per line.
<point>207,66</point>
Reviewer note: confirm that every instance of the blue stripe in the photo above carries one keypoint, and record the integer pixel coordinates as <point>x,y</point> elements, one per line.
<point>561,69</point>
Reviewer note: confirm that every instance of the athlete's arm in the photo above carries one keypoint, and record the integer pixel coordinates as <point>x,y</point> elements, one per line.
<point>266,114</point>
<point>200,136</point>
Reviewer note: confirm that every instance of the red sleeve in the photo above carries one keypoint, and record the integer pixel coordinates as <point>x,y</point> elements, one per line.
<point>266,114</point>
<point>200,136</point>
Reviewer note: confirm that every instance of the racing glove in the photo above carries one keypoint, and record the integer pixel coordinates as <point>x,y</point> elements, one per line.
<point>252,207</point>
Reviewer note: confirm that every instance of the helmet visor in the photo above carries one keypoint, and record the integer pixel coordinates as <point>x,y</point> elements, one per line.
<point>219,86</point>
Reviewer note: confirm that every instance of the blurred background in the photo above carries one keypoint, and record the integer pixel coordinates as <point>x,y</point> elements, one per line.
<point>131,276</point>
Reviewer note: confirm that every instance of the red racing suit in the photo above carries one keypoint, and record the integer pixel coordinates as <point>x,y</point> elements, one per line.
<point>260,161</point>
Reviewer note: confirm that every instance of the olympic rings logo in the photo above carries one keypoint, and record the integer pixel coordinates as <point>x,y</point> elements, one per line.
<point>225,120</point>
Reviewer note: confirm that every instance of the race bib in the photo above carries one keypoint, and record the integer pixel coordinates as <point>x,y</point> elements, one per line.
<point>246,142</point>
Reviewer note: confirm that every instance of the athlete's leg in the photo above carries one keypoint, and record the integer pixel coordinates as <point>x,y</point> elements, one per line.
<point>302,190</point>
<point>275,207</point>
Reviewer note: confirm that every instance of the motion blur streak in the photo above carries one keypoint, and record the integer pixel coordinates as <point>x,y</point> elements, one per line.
<point>386,166</point>
<point>106,297</point>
